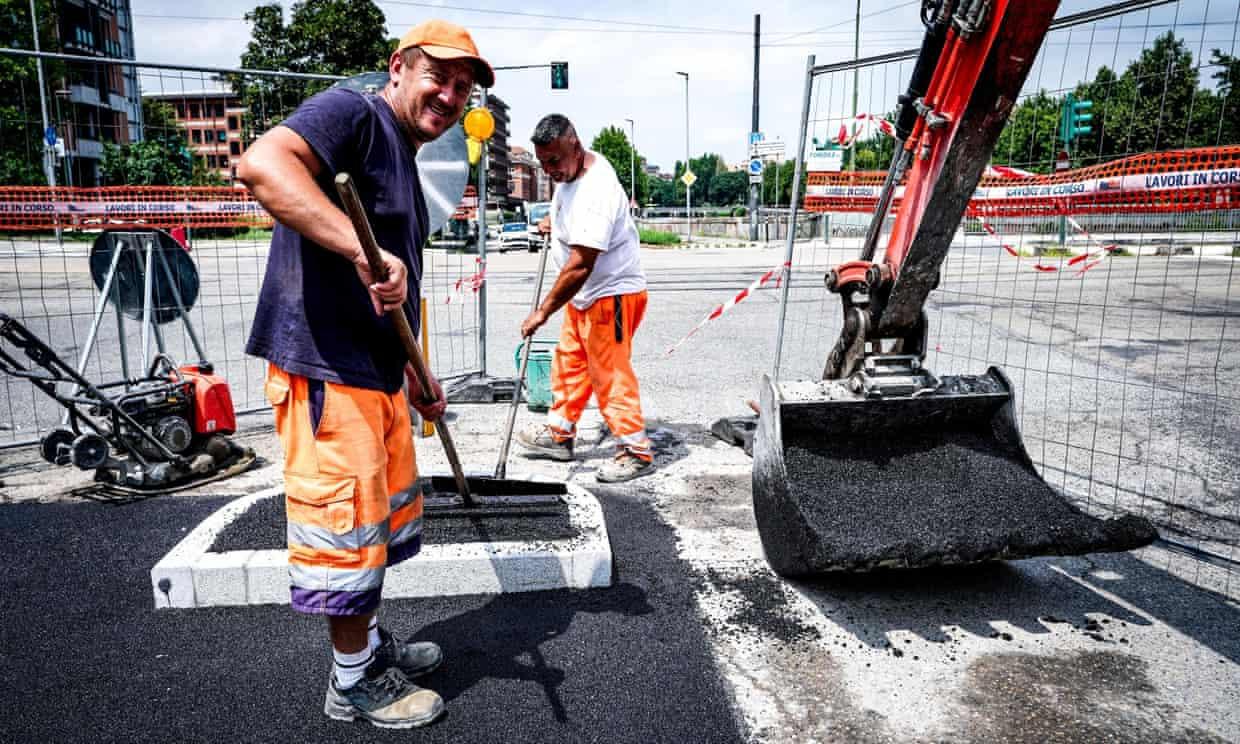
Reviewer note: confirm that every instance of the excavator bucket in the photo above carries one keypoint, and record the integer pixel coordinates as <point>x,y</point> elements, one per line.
<point>842,482</point>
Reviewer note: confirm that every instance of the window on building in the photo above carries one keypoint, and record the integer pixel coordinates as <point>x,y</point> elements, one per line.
<point>234,148</point>
<point>218,110</point>
<point>221,135</point>
<point>195,136</point>
<point>211,162</point>
<point>232,124</point>
<point>180,110</point>
<point>194,111</point>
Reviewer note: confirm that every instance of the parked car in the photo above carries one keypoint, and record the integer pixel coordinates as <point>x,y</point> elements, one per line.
<point>535,212</point>
<point>514,235</point>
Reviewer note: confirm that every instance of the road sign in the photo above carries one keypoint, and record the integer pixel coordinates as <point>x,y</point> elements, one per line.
<point>50,135</point>
<point>759,149</point>
<point>688,179</point>
<point>755,170</point>
<point>1063,162</point>
<point>755,137</point>
<point>825,160</point>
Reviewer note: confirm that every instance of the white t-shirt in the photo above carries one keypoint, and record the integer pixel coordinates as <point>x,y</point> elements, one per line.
<point>593,212</point>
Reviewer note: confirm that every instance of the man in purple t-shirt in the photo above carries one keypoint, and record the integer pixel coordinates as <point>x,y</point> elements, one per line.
<point>336,364</point>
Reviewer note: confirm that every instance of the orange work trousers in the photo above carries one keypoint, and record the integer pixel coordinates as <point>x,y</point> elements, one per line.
<point>350,489</point>
<point>594,356</point>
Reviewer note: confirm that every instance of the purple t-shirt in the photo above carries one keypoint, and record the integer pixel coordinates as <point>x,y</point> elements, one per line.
<point>314,318</point>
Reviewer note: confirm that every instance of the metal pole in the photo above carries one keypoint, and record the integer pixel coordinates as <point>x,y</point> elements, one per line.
<point>852,153</point>
<point>796,196</point>
<point>484,163</point>
<point>148,294</point>
<point>688,188</point>
<point>632,164</point>
<point>48,167</point>
<point>753,127</point>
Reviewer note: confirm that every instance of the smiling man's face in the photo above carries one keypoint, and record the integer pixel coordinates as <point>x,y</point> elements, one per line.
<point>428,95</point>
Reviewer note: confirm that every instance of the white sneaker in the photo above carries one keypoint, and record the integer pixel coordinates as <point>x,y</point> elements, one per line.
<point>624,467</point>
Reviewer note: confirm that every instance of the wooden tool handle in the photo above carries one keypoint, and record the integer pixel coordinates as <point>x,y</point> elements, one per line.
<point>378,272</point>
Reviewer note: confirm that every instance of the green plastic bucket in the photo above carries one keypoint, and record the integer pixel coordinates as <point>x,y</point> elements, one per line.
<point>537,372</point>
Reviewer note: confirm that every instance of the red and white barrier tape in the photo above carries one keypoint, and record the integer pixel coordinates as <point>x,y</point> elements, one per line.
<point>776,275</point>
<point>844,140</point>
<point>471,283</point>
<point>1090,258</point>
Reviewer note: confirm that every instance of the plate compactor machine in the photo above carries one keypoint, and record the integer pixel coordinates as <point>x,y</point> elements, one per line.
<point>881,463</point>
<point>164,432</point>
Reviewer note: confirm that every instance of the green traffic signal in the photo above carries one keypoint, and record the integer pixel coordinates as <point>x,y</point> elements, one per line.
<point>559,76</point>
<point>1080,118</point>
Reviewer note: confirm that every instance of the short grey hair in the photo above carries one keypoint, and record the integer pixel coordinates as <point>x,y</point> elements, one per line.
<point>551,128</point>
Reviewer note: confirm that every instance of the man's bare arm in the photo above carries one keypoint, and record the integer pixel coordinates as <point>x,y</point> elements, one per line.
<point>280,169</point>
<point>571,279</point>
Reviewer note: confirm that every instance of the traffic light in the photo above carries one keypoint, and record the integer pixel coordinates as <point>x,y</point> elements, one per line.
<point>559,76</point>
<point>1076,118</point>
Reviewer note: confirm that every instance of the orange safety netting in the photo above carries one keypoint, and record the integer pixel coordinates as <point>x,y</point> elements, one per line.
<point>1193,180</point>
<point>43,208</point>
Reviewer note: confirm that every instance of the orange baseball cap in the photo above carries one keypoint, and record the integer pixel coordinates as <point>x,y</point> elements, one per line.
<point>444,40</point>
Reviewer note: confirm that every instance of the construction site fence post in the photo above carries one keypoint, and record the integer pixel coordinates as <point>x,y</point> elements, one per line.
<point>799,157</point>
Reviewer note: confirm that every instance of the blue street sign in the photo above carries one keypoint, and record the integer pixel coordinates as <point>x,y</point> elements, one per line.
<point>755,166</point>
<point>755,137</point>
<point>50,135</point>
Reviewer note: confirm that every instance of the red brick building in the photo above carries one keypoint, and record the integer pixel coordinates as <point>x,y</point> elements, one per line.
<point>212,121</point>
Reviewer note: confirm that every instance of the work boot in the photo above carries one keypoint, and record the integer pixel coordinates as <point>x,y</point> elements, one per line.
<point>539,440</point>
<point>624,467</point>
<point>387,700</point>
<point>412,659</point>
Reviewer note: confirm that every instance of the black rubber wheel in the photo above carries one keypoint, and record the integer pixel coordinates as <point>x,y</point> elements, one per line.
<point>90,451</point>
<point>51,444</point>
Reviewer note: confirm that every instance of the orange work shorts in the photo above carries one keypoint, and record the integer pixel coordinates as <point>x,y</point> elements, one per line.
<point>351,492</point>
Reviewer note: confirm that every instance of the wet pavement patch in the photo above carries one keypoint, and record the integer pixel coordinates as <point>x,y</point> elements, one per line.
<point>1008,697</point>
<point>263,527</point>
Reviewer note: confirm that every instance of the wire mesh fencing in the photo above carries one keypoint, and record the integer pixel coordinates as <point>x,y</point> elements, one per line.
<point>145,147</point>
<point>1098,270</point>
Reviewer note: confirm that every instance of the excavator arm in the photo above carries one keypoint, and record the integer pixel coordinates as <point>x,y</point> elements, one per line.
<point>973,62</point>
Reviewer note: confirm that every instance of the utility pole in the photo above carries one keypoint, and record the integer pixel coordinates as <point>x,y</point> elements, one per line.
<point>852,155</point>
<point>688,188</point>
<point>632,165</point>
<point>753,127</point>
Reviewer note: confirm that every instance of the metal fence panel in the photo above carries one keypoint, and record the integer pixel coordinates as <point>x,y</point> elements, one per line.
<point>1123,371</point>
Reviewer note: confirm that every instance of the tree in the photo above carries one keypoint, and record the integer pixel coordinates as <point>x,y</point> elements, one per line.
<point>331,37</point>
<point>1228,111</point>
<point>21,145</point>
<point>662,192</point>
<point>612,144</point>
<point>729,188</point>
<point>160,159</point>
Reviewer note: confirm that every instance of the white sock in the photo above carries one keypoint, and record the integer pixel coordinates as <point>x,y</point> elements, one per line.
<point>350,668</point>
<point>374,632</point>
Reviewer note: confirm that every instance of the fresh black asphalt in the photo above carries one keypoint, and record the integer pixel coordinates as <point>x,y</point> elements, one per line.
<point>87,658</point>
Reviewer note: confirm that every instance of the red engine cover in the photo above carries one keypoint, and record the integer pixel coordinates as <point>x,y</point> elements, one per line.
<point>213,406</point>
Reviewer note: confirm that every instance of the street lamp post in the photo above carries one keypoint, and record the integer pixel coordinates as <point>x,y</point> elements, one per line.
<point>688,188</point>
<point>632,165</point>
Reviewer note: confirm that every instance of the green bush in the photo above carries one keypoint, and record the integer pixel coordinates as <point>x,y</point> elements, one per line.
<point>657,237</point>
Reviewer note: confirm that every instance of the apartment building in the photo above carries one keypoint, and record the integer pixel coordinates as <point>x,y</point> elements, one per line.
<point>529,182</point>
<point>212,124</point>
<point>93,103</point>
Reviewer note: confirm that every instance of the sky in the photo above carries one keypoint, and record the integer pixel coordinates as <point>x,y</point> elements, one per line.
<point>624,58</point>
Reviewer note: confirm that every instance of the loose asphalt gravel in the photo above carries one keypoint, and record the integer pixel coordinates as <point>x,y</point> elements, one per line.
<point>87,657</point>
<point>262,527</point>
